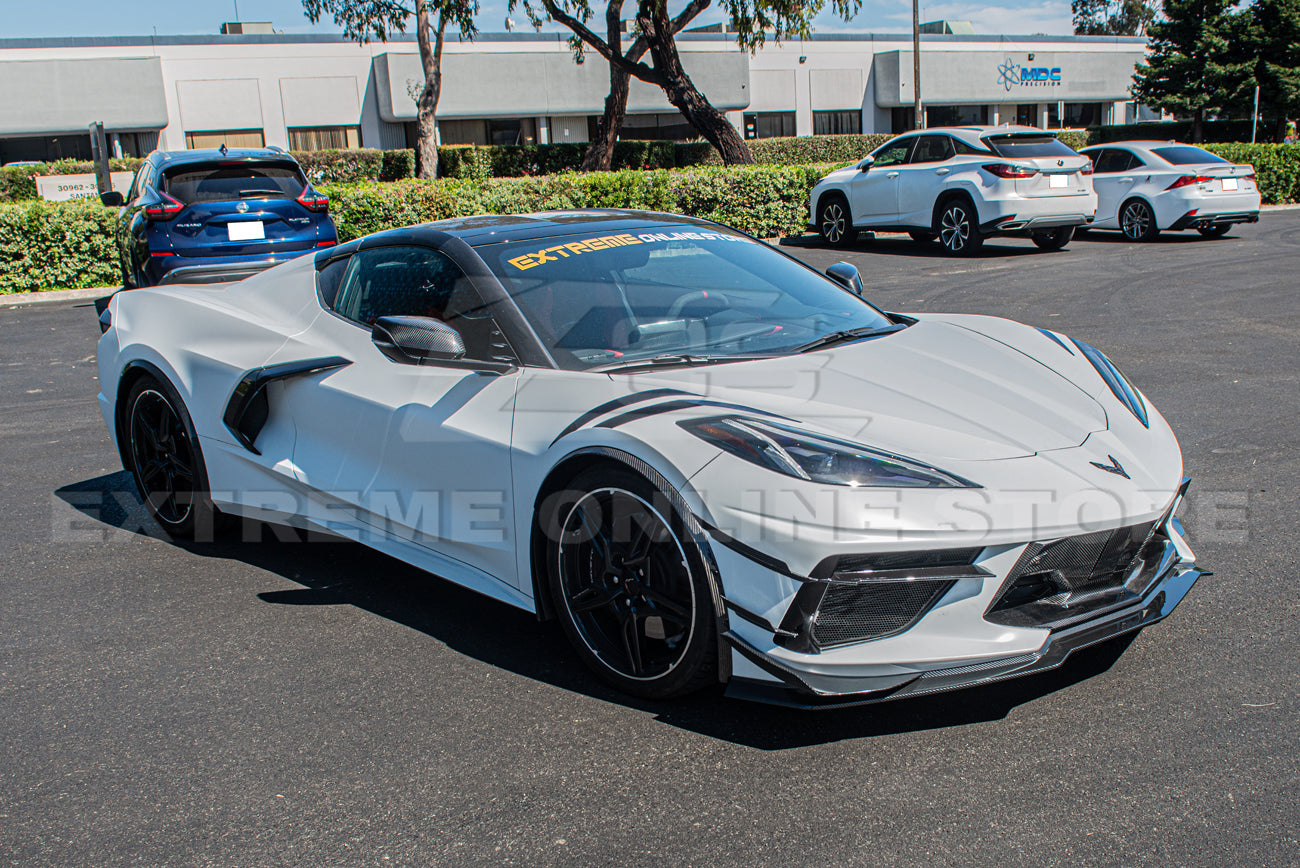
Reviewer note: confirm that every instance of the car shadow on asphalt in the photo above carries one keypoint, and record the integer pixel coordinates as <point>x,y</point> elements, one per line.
<point>332,572</point>
<point>901,245</point>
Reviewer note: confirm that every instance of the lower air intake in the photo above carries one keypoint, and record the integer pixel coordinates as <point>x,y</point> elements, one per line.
<point>873,610</point>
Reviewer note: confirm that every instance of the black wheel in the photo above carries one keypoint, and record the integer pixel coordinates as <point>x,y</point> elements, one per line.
<point>164,458</point>
<point>1218,230</point>
<point>1137,222</point>
<point>835,223</point>
<point>958,227</point>
<point>628,584</point>
<point>1055,239</point>
<point>922,237</point>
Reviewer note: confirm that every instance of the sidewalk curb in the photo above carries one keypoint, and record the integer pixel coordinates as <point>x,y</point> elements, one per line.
<point>18,299</point>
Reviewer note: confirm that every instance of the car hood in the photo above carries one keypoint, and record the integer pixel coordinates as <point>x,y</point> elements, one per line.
<point>935,390</point>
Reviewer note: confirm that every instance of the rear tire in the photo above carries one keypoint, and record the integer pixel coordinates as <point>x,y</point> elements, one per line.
<point>1216,231</point>
<point>958,228</point>
<point>1053,240</point>
<point>628,584</point>
<point>1137,222</point>
<point>835,221</point>
<point>162,452</point>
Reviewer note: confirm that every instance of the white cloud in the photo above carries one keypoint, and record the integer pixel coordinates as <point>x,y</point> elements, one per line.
<point>1044,16</point>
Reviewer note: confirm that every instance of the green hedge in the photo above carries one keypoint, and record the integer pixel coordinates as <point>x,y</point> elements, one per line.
<point>19,182</point>
<point>54,245</point>
<point>1277,168</point>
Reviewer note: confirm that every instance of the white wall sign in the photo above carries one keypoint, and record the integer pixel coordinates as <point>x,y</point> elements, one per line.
<point>61,188</point>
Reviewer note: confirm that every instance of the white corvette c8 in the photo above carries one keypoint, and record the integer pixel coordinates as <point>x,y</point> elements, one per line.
<point>709,462</point>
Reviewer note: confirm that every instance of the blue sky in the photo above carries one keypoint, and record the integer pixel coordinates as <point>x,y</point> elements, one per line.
<point>134,17</point>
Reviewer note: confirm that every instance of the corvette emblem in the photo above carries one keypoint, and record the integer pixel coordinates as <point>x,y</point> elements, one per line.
<point>1114,467</point>
<point>241,207</point>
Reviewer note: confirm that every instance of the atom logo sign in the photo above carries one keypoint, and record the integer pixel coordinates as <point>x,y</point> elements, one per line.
<point>1009,74</point>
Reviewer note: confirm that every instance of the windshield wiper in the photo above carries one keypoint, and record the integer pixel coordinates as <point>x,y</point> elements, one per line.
<point>847,335</point>
<point>683,360</point>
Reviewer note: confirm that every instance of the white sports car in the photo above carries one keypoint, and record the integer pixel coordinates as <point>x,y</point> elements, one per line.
<point>708,461</point>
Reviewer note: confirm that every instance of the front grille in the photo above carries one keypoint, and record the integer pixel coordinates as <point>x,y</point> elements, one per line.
<point>1065,579</point>
<point>873,610</point>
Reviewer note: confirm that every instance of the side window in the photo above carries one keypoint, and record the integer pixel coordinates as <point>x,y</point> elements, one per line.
<point>1109,161</point>
<point>932,149</point>
<point>1129,162</point>
<point>417,281</point>
<point>330,278</point>
<point>141,180</point>
<point>893,153</point>
<point>967,150</point>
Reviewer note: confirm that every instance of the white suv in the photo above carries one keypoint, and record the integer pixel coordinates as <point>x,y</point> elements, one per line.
<point>960,185</point>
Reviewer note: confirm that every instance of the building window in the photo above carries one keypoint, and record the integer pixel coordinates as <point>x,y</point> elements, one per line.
<point>902,120</point>
<point>324,138</point>
<point>511,131</point>
<point>1083,114</point>
<point>956,115</point>
<point>1027,114</point>
<point>769,125</point>
<point>837,123</point>
<point>229,138</point>
<point>467,132</point>
<point>663,127</point>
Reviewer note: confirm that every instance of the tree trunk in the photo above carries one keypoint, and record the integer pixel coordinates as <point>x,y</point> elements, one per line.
<point>599,156</point>
<point>431,60</point>
<point>652,16</point>
<point>1198,126</point>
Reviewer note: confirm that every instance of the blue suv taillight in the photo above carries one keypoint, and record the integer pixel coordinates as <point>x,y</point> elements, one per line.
<point>168,208</point>
<point>313,201</point>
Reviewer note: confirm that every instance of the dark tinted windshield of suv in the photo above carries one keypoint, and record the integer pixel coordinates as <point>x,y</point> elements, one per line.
<point>200,183</point>
<point>1029,146</point>
<point>600,298</point>
<point>1186,155</point>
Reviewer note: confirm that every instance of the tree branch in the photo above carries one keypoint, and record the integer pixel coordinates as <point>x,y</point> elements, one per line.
<point>639,70</point>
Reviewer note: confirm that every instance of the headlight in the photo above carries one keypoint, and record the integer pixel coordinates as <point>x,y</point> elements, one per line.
<point>1118,383</point>
<point>818,459</point>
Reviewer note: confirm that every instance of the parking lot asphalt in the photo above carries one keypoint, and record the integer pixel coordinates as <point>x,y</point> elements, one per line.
<point>274,702</point>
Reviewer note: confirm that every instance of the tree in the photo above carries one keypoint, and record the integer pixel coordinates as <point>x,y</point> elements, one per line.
<point>1270,38</point>
<point>1193,68</point>
<point>363,19</point>
<point>1112,17</point>
<point>600,153</point>
<point>751,20</point>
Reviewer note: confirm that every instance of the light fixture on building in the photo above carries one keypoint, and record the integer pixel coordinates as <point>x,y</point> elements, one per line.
<point>1031,55</point>
<point>803,58</point>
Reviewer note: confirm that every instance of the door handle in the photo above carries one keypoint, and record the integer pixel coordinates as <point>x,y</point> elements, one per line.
<point>941,171</point>
<point>1126,180</point>
<point>892,175</point>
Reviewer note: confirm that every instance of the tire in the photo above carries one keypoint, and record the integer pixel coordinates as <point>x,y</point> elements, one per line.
<point>1054,240</point>
<point>922,237</point>
<point>629,585</point>
<point>958,227</point>
<point>1218,230</point>
<point>835,222</point>
<point>1137,222</point>
<point>163,455</point>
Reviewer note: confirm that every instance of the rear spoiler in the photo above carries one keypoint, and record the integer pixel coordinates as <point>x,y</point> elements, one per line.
<point>231,273</point>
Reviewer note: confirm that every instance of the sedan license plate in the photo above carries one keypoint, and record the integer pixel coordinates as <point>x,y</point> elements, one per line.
<point>249,230</point>
<point>1229,183</point>
<point>1058,180</point>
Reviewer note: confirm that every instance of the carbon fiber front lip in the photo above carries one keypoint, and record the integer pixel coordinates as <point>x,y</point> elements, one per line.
<point>831,692</point>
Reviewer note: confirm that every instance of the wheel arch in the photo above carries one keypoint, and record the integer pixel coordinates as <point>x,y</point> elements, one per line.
<point>575,462</point>
<point>947,196</point>
<point>134,371</point>
<point>832,193</point>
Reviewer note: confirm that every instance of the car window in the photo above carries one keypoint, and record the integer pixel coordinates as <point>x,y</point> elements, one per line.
<point>417,281</point>
<point>330,278</point>
<point>966,149</point>
<point>1029,147</point>
<point>214,183</point>
<point>1186,155</point>
<point>598,299</point>
<point>1107,161</point>
<point>1125,161</point>
<point>136,182</point>
<point>893,153</point>
<point>932,149</point>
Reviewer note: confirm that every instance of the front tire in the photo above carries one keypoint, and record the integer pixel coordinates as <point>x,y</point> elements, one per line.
<point>1055,239</point>
<point>1216,231</point>
<point>628,583</point>
<point>958,227</point>
<point>835,222</point>
<point>1137,222</point>
<point>163,455</point>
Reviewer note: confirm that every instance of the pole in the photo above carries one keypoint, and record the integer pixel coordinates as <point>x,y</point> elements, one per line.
<point>917,114</point>
<point>1254,119</point>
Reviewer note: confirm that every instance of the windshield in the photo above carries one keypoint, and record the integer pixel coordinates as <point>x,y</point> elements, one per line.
<point>1186,155</point>
<point>599,299</point>
<point>1029,147</point>
<point>211,183</point>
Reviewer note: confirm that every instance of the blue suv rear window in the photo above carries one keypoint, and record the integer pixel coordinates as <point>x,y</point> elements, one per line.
<point>191,184</point>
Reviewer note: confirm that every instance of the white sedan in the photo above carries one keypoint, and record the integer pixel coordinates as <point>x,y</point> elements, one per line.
<point>709,462</point>
<point>1146,187</point>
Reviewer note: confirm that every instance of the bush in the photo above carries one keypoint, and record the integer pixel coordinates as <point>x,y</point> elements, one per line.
<point>1213,131</point>
<point>46,245</point>
<point>19,182</point>
<point>340,166</point>
<point>800,150</point>
<point>1277,168</point>
<point>397,165</point>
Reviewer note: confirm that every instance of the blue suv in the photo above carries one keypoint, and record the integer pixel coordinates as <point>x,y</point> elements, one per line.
<point>215,215</point>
